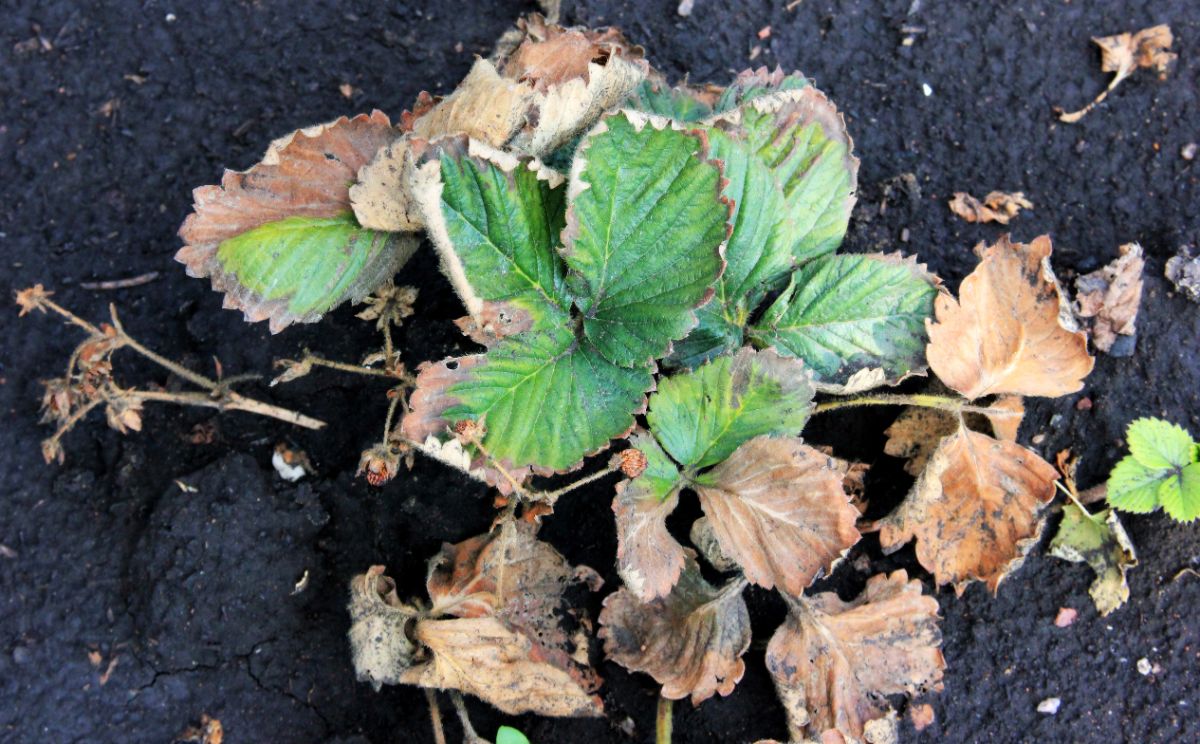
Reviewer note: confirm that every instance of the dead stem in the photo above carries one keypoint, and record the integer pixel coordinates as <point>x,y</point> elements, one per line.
<point>469,735</point>
<point>435,717</point>
<point>663,721</point>
<point>179,370</point>
<point>356,369</point>
<point>552,496</point>
<point>228,401</point>
<point>944,402</point>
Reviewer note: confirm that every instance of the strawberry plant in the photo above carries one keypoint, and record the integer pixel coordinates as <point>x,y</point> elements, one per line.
<point>653,269</point>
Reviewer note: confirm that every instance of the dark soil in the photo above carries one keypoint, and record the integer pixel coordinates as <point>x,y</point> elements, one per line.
<point>188,596</point>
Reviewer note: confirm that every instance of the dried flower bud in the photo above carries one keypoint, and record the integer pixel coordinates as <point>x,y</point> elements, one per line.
<point>57,399</point>
<point>292,370</point>
<point>633,462</point>
<point>124,415</point>
<point>52,450</point>
<point>380,464</point>
<point>468,431</point>
<point>31,299</point>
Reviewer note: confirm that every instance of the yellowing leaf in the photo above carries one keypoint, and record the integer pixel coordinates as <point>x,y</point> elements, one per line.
<point>1108,300</point>
<point>975,509</point>
<point>1123,54</point>
<point>833,662</point>
<point>1100,541</point>
<point>778,508</point>
<point>690,641</point>
<point>1004,334</point>
<point>997,206</point>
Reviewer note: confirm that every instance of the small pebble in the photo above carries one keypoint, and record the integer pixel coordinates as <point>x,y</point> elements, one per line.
<point>1189,151</point>
<point>1143,666</point>
<point>20,655</point>
<point>170,17</point>
<point>1083,404</point>
<point>1066,616</point>
<point>928,91</point>
<point>1049,706</point>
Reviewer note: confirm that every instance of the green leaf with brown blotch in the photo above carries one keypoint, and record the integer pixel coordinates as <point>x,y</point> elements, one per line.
<point>1100,541</point>
<point>649,559</point>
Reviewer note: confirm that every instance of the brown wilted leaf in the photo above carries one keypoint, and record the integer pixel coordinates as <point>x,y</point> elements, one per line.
<point>1005,333</point>
<point>691,641</point>
<point>31,298</point>
<point>649,559</point>
<point>1122,54</point>
<point>1006,421</point>
<point>916,433</point>
<point>380,196</point>
<point>1184,272</point>
<point>997,206</point>
<point>921,716</point>
<point>1108,299</point>
<point>550,55</point>
<point>974,510</point>
<point>778,508</point>
<point>833,662</point>
<point>380,625</point>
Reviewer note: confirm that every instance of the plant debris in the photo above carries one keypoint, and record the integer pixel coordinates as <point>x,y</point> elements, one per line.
<point>1108,300</point>
<point>997,206</point>
<point>1122,54</point>
<point>1183,271</point>
<point>1100,541</point>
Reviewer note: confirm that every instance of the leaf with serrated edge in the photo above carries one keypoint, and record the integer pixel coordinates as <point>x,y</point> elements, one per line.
<point>495,221</point>
<point>1160,444</point>
<point>1004,333</point>
<point>649,559</point>
<point>1180,494</point>
<point>844,314</point>
<point>691,641</point>
<point>1100,541</point>
<point>702,416</point>
<point>646,223</point>
<point>684,103</point>
<point>834,663</point>
<point>753,83</point>
<point>974,511</point>
<point>306,174</point>
<point>778,508</point>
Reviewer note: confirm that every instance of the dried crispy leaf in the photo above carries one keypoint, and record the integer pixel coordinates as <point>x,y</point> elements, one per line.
<point>705,539</point>
<point>1004,334</point>
<point>278,239</point>
<point>1006,421</point>
<point>379,629</point>
<point>690,641</point>
<point>1184,272</point>
<point>485,106</point>
<point>381,198</point>
<point>778,508</point>
<point>918,431</point>
<point>649,559</point>
<point>833,662</point>
<point>974,510</point>
<point>1122,54</point>
<point>1100,541</point>
<point>997,206</point>
<point>1108,299</point>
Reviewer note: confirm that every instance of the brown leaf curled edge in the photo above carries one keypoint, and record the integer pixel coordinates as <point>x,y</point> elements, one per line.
<point>974,510</point>
<point>833,662</point>
<point>997,206</point>
<point>1108,300</point>
<point>1008,332</point>
<point>1123,54</point>
<point>690,641</point>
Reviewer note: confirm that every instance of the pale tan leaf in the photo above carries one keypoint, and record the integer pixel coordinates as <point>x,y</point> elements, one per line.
<point>1108,299</point>
<point>550,54</point>
<point>380,197</point>
<point>997,206</point>
<point>1006,421</point>
<point>975,510</point>
<point>1122,54</point>
<point>916,433</point>
<point>484,106</point>
<point>379,629</point>
<point>833,662</point>
<point>690,641</point>
<point>705,540</point>
<point>778,508</point>
<point>1004,334</point>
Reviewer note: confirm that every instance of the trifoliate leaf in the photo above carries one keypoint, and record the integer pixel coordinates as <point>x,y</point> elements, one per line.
<point>1005,333</point>
<point>548,400</point>
<point>844,314</point>
<point>834,663</point>
<point>302,182</point>
<point>691,641</point>
<point>702,416</point>
<point>649,559</point>
<point>1155,443</point>
<point>778,508</point>
<point>495,221</point>
<point>1100,541</point>
<point>645,225</point>
<point>750,84</point>
<point>974,511</point>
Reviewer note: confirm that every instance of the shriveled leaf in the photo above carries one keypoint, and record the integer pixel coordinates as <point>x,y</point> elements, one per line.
<point>918,431</point>
<point>834,662</point>
<point>691,641</point>
<point>547,399</point>
<point>1108,299</point>
<point>484,657</point>
<point>646,223</point>
<point>495,221</point>
<point>778,508</point>
<point>702,416</point>
<point>1122,54</point>
<point>845,314</point>
<point>381,197</point>
<point>705,539</point>
<point>1100,541</point>
<point>649,559</point>
<point>295,203</point>
<point>379,629</point>
<point>485,106</point>
<point>1004,334</point>
<point>997,206</point>
<point>1005,416</point>
<point>1183,271</point>
<point>974,510</point>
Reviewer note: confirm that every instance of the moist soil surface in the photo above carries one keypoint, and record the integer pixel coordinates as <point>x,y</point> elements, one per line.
<point>151,579</point>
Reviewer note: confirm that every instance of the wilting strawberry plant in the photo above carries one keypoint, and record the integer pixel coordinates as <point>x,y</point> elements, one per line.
<point>653,270</point>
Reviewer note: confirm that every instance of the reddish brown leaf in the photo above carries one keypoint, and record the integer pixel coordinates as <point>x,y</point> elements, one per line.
<point>550,55</point>
<point>778,508</point>
<point>649,559</point>
<point>834,662</point>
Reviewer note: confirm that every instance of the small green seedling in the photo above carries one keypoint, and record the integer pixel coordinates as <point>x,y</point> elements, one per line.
<point>1162,469</point>
<point>510,735</point>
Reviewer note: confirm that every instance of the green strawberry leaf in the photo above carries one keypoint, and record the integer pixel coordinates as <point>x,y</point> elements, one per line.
<point>714,335</point>
<point>496,220</point>
<point>681,103</point>
<point>510,735</point>
<point>701,417</point>
<point>547,399</point>
<point>1133,487</point>
<point>299,268</point>
<point>1179,494</point>
<point>751,84</point>
<point>645,225</point>
<point>846,314</point>
<point>1160,444</point>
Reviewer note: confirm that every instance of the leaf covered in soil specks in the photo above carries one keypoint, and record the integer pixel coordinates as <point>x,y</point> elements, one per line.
<point>1100,541</point>
<point>1006,332</point>
<point>833,662</point>
<point>649,559</point>
<point>997,206</point>
<point>974,510</point>
<point>778,508</point>
<point>1162,470</point>
<point>691,641</point>
<point>280,239</point>
<point>1108,299</point>
<point>1122,54</point>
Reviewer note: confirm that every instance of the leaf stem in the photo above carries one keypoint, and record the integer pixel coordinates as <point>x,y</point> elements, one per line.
<point>193,377</point>
<point>552,496</point>
<point>944,402</point>
<point>435,717</point>
<point>663,721</point>
<point>351,368</point>
<point>229,401</point>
